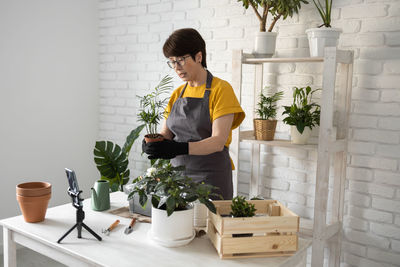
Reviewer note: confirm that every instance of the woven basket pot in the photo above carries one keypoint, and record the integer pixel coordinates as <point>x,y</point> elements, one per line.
<point>264,129</point>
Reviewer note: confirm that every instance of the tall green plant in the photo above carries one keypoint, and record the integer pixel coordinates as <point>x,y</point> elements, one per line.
<point>277,8</point>
<point>112,160</point>
<point>170,189</point>
<point>266,106</point>
<point>303,112</point>
<point>152,105</point>
<point>324,12</point>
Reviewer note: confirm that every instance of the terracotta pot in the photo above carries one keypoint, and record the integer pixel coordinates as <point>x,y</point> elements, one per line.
<point>33,189</point>
<point>34,208</point>
<point>153,138</point>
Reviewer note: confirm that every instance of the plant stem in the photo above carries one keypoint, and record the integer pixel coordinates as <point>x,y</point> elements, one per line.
<point>273,22</point>
<point>258,16</point>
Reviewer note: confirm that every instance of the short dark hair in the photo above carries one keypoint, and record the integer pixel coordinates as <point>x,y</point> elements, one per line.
<point>185,41</point>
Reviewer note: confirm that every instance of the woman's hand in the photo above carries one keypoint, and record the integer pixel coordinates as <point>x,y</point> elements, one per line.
<point>166,149</point>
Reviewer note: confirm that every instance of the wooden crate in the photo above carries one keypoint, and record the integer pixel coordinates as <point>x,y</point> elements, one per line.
<point>274,230</point>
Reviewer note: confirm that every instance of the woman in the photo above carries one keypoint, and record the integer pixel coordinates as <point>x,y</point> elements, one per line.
<point>200,116</point>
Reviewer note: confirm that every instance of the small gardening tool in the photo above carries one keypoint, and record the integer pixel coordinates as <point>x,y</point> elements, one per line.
<point>109,229</point>
<point>129,229</point>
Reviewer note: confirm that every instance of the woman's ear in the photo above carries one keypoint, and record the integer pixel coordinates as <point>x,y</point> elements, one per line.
<point>199,57</point>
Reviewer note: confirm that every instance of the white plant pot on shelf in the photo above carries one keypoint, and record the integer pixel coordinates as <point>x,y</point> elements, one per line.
<point>265,43</point>
<point>172,231</point>
<point>319,38</point>
<point>297,137</point>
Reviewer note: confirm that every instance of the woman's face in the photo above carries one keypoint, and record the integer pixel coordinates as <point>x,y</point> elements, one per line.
<point>185,67</point>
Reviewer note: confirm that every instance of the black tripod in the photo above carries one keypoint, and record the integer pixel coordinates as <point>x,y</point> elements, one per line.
<point>80,215</point>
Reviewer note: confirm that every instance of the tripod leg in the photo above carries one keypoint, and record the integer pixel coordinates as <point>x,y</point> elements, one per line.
<point>69,231</point>
<point>79,227</point>
<point>91,231</point>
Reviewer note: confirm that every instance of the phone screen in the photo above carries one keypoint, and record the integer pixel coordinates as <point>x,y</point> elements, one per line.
<point>73,185</point>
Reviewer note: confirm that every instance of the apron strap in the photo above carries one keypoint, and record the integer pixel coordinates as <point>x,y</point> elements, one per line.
<point>208,84</point>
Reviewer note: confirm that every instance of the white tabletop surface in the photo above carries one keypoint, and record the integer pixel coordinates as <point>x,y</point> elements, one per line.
<point>118,249</point>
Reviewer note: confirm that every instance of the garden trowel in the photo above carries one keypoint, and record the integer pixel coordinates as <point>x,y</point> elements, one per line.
<point>129,229</point>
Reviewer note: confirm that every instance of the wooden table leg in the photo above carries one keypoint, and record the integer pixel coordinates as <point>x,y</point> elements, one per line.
<point>10,252</point>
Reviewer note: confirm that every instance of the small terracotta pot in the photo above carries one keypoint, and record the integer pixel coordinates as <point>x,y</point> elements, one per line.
<point>153,138</point>
<point>34,208</point>
<point>33,189</point>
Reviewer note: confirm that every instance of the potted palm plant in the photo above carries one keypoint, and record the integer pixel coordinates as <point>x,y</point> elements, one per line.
<point>265,41</point>
<point>152,108</point>
<point>112,160</point>
<point>265,124</point>
<point>171,194</point>
<point>302,115</point>
<point>324,35</point>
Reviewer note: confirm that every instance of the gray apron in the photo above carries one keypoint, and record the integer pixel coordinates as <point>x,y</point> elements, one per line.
<point>189,121</point>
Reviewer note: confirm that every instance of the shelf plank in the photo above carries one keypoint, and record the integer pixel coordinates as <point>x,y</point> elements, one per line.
<point>248,136</point>
<point>251,59</point>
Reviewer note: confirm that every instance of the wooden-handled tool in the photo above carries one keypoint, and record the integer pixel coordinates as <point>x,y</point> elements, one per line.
<point>109,229</point>
<point>129,229</point>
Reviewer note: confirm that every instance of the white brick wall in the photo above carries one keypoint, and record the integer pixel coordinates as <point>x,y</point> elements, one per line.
<point>132,33</point>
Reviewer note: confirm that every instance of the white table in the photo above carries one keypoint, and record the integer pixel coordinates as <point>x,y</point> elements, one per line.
<point>117,249</point>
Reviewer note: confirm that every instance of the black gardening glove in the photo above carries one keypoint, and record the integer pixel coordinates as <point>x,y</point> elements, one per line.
<point>166,149</point>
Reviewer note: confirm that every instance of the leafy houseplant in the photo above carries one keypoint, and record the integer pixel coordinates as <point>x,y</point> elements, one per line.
<point>278,9</point>
<point>169,189</point>
<point>265,124</point>
<point>241,208</point>
<point>303,114</point>
<point>152,107</point>
<point>172,194</point>
<point>112,160</point>
<point>324,35</point>
<point>324,13</point>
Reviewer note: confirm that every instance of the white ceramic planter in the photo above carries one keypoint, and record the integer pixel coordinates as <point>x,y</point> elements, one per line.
<point>173,231</point>
<point>319,38</point>
<point>200,215</point>
<point>265,43</point>
<point>297,138</point>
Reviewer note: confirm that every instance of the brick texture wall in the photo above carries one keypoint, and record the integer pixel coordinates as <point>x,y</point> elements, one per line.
<point>132,33</point>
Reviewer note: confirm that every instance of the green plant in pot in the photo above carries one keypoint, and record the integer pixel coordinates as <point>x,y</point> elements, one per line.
<point>323,35</point>
<point>112,160</point>
<point>302,115</point>
<point>171,194</point>
<point>241,208</point>
<point>152,108</point>
<point>265,124</point>
<point>279,9</point>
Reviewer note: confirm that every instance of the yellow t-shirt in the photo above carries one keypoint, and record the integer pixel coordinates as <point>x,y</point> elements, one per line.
<point>222,101</point>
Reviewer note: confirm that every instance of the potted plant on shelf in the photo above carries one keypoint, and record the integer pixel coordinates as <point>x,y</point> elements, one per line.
<point>112,160</point>
<point>265,124</point>
<point>171,195</point>
<point>152,108</point>
<point>324,35</point>
<point>302,115</point>
<point>265,41</point>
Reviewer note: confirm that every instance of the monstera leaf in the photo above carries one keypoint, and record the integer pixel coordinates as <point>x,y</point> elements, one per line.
<point>110,159</point>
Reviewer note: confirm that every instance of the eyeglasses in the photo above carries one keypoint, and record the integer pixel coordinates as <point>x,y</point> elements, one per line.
<point>180,61</point>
